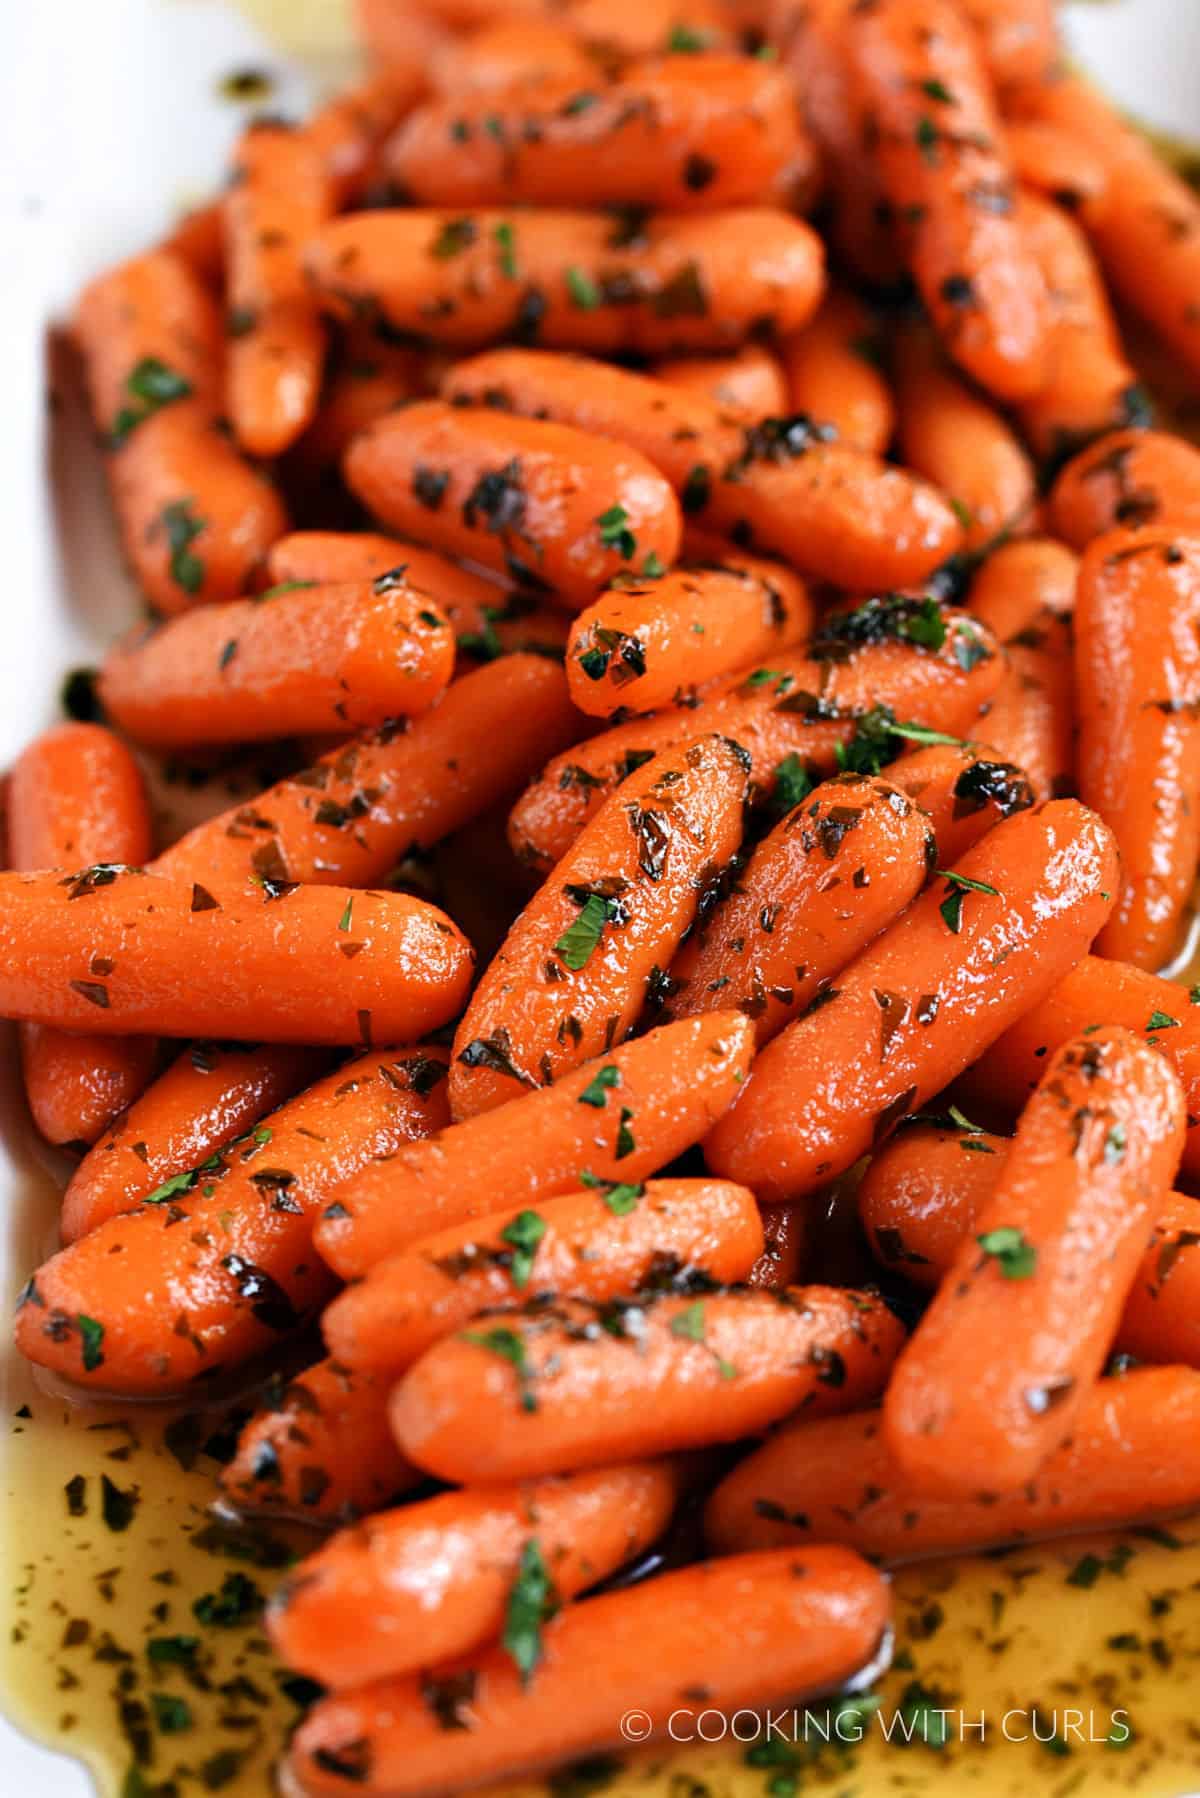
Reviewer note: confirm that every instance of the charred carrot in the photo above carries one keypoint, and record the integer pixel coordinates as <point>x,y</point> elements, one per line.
<point>570,979</point>
<point>567,1384</point>
<point>833,373</point>
<point>1015,914</point>
<point>823,1610</point>
<point>1057,164</point>
<point>543,503</point>
<point>839,867</point>
<point>1130,478</point>
<point>510,52</point>
<point>675,1081</point>
<point>644,641</point>
<point>417,1586</point>
<point>117,951</point>
<point>1018,39</point>
<point>1020,579</point>
<point>229,1268</point>
<point>963,790</point>
<point>747,385</point>
<point>596,1244</point>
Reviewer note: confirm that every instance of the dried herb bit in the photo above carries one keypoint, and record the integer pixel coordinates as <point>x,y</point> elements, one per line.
<point>79,698</point>
<point>1161,1020</point>
<point>614,652</point>
<point>75,1492</point>
<point>506,247</point>
<point>1001,784</point>
<point>429,485</point>
<point>496,503</point>
<point>117,1507</point>
<point>91,1336</point>
<point>268,1302</point>
<point>926,138</point>
<point>448,1699</point>
<point>958,886</point>
<point>621,1197</point>
<point>150,386</point>
<point>182,528</point>
<point>172,1651</point>
<point>937,90</point>
<point>684,40</point>
<point>495,1053</point>
<point>580,939</point>
<point>894,617</point>
<point>793,784</point>
<point>172,1715</point>
<point>597,1089</point>
<point>615,532</point>
<point>957,290</point>
<point>455,236</point>
<point>1008,1248</point>
<point>238,1599</point>
<point>510,1347</point>
<point>697,489</point>
<point>532,1601</point>
<point>523,1234</point>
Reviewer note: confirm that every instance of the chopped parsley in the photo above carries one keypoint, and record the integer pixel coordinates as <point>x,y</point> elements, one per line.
<point>1008,1248</point>
<point>91,1335</point>
<point>615,532</point>
<point>182,528</point>
<point>621,1197</point>
<point>959,885</point>
<point>582,289</point>
<point>602,1081</point>
<point>532,1601</point>
<point>150,386</point>
<point>511,1348</point>
<point>523,1234</point>
<point>579,940</point>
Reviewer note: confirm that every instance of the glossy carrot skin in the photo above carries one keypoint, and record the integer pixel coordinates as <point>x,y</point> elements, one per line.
<point>923,1002</point>
<point>319,1449</point>
<point>806,708</point>
<point>120,952</point>
<point>680,133</point>
<point>527,498</point>
<point>584,1250</point>
<point>599,1383</point>
<point>1032,719</point>
<point>1129,478</point>
<point>414,1587</point>
<point>963,790</point>
<point>569,279</point>
<point>1092,1162</point>
<point>1020,579</point>
<point>352,816</point>
<point>818,888</point>
<point>211,1095</point>
<point>748,385</point>
<point>1130,1459</point>
<point>832,373</point>
<point>1137,672</point>
<point>150,307</point>
<point>550,1002</point>
<point>823,1612</point>
<point>786,487</point>
<point>1018,39</point>
<point>1057,164</point>
<point>316,658</point>
<point>75,796</point>
<point>507,52</point>
<point>676,1080</point>
<point>198,239</point>
<point>231,1268</point>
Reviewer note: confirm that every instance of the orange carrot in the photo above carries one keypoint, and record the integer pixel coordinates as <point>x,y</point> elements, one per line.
<point>963,790</point>
<point>355,393</point>
<point>152,1300</point>
<point>1017,38</point>
<point>675,1080</point>
<point>747,385</point>
<point>1057,163</point>
<point>509,52</point>
<point>348,131</point>
<point>833,374</point>
<point>150,335</point>
<point>923,1002</point>
<point>1131,478</point>
<point>570,979</point>
<point>566,1384</point>
<point>1032,715</point>
<point>598,1244</point>
<point>198,239</point>
<point>1020,579</point>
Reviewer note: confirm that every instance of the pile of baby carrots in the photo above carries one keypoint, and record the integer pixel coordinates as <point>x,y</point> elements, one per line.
<point>670,481</point>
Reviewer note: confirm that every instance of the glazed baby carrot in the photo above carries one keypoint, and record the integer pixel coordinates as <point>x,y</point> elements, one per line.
<point>310,658</point>
<point>566,1384</point>
<point>338,556</point>
<point>1130,478</point>
<point>279,196</point>
<point>1020,579</point>
<point>1057,164</point>
<point>1130,1459</point>
<point>784,1245</point>
<point>572,280</point>
<point>822,1610</point>
<point>152,1300</point>
<point>1018,39</point>
<point>348,131</point>
<point>319,1448</point>
<point>414,1587</point>
<point>923,1002</point>
<point>689,133</point>
<point>841,865</point>
<point>675,1081</point>
<point>786,486</point>
<point>963,789</point>
<point>198,239</point>
<point>953,437</point>
<point>570,979</point>
<point>747,385</point>
<point>354,394</point>
<point>843,699</point>
<point>540,502</point>
<point>943,167</point>
<point>832,369</point>
<point>644,641</point>
<point>594,1244</point>
<point>510,52</point>
<point>150,335</point>
<point>1032,716</point>
<point>1092,1162</point>
<point>118,951</point>
<point>1137,671</point>
<point>351,817</point>
<point>211,1095</point>
<point>75,795</point>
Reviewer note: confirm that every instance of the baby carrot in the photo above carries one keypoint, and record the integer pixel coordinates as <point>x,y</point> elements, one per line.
<point>1131,478</point>
<point>923,1002</point>
<point>1018,39</point>
<point>415,1587</point>
<point>616,29</point>
<point>674,1081</point>
<point>785,486</point>
<point>572,280</point>
<point>1031,720</point>
<point>350,818</point>
<point>566,1384</point>
<point>963,790</point>
<point>311,658</point>
<point>279,196</point>
<point>1130,1458</point>
<point>1094,1155</point>
<point>1020,579</point>
<point>587,1245</point>
<point>339,556</point>
<point>75,795</point>
<point>822,1611</point>
<point>155,1298</point>
<point>210,1096</point>
<point>1057,164</point>
<point>319,1448</point>
<point>198,239</point>
<point>840,866</point>
<point>118,951</point>
<point>644,641</point>
<point>747,385</point>
<point>360,389</point>
<point>348,131</point>
<point>541,502</point>
<point>150,336</point>
<point>944,169</point>
<point>1137,671</point>
<point>510,52</point>
<point>570,979</point>
<point>784,1246</point>
<point>833,373</point>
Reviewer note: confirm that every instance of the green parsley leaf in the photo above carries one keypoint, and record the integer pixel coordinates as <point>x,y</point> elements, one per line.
<point>238,1599</point>
<point>937,90</point>
<point>620,1196</point>
<point>91,1336</point>
<point>1161,1020</point>
<point>524,1233</point>
<point>578,941</point>
<point>653,566</point>
<point>1007,1246</point>
<point>615,532</point>
<point>511,1348</point>
<point>926,136</point>
<point>582,289</point>
<point>960,885</point>
<point>182,528</point>
<point>601,1082</point>
<point>507,247</point>
<point>171,1714</point>
<point>173,1188</point>
<point>347,917</point>
<point>532,1601</point>
<point>793,784</point>
<point>150,386</point>
<point>625,1142</point>
<point>684,41</point>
